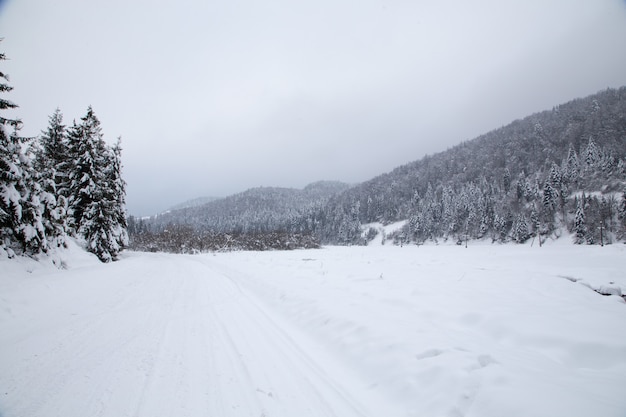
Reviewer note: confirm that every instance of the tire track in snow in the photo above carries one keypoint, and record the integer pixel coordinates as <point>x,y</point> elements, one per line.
<point>290,375</point>
<point>162,347</point>
<point>173,335</point>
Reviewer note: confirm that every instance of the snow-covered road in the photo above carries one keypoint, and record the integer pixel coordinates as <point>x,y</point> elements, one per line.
<point>430,331</point>
<point>162,335</point>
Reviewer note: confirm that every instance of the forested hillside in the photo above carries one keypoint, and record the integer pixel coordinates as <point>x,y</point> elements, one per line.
<point>554,171</point>
<point>559,169</point>
<point>259,218</point>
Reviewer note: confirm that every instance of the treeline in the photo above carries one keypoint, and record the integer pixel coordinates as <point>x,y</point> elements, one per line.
<point>186,239</point>
<point>66,182</point>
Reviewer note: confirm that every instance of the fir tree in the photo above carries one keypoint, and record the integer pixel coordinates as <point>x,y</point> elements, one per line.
<point>116,192</point>
<point>506,180</point>
<point>96,190</point>
<point>520,229</point>
<point>6,104</point>
<point>20,216</point>
<point>52,153</point>
<point>50,158</point>
<point>580,228</point>
<point>592,156</point>
<point>571,170</point>
<point>87,151</point>
<point>549,199</point>
<point>11,189</point>
<point>535,224</point>
<point>621,215</point>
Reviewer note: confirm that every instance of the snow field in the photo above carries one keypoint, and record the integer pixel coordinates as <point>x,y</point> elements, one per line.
<point>444,330</point>
<point>364,331</point>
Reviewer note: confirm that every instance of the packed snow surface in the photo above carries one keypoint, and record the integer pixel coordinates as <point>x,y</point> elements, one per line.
<point>450,331</point>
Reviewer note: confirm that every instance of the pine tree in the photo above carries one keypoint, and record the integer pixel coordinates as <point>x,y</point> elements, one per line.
<point>32,230</point>
<point>621,215</point>
<point>96,190</point>
<point>571,170</point>
<point>50,158</point>
<point>98,227</point>
<point>20,216</point>
<point>535,223</point>
<point>87,151</point>
<point>522,188</point>
<point>592,156</point>
<point>11,190</point>
<point>117,194</point>
<point>520,229</point>
<point>6,104</point>
<point>53,150</point>
<point>506,180</point>
<point>549,198</point>
<point>580,228</point>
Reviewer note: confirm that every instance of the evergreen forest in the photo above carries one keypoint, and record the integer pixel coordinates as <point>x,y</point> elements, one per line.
<point>65,183</point>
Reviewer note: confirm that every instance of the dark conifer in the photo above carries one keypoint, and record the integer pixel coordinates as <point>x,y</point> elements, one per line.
<point>21,225</point>
<point>580,229</point>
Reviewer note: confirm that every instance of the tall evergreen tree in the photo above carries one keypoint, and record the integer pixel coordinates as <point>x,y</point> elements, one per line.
<point>520,229</point>
<point>116,193</point>
<point>52,153</point>
<point>50,158</point>
<point>571,168</point>
<point>21,225</point>
<point>4,103</point>
<point>592,156</point>
<point>87,152</point>
<point>96,190</point>
<point>580,229</point>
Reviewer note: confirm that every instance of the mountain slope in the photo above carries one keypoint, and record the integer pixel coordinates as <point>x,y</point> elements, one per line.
<point>578,146</point>
<point>258,210</point>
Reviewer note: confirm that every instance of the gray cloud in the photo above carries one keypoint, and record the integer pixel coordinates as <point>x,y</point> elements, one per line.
<point>212,98</point>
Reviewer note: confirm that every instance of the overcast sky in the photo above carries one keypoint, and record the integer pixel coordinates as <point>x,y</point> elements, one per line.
<point>214,97</point>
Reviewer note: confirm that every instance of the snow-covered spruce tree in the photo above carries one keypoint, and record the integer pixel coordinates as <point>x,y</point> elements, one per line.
<point>96,191</point>
<point>571,169</point>
<point>50,155</point>
<point>549,203</point>
<point>621,215</point>
<point>114,196</point>
<point>580,228</point>
<point>592,156</point>
<point>21,225</point>
<point>84,167</point>
<point>520,229</point>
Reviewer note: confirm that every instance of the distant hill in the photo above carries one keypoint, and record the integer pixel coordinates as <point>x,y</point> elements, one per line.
<point>263,209</point>
<point>196,202</point>
<point>560,170</point>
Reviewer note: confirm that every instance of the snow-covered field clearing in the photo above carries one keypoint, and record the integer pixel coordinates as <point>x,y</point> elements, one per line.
<point>364,331</point>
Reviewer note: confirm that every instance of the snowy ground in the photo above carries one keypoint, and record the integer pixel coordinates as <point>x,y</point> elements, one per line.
<point>370,331</point>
